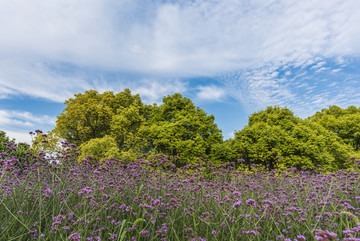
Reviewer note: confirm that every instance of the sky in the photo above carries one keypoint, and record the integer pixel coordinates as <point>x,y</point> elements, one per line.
<point>230,57</point>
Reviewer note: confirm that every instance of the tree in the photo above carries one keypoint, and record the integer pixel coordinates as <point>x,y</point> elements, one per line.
<point>179,128</point>
<point>85,117</point>
<point>4,141</point>
<point>100,149</point>
<point>223,152</point>
<point>48,142</point>
<point>127,127</point>
<point>277,138</point>
<point>343,122</point>
<point>176,128</point>
<point>93,115</point>
<point>10,149</point>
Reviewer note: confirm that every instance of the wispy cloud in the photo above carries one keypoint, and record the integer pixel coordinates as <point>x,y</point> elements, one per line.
<point>260,50</point>
<point>184,38</point>
<point>17,124</point>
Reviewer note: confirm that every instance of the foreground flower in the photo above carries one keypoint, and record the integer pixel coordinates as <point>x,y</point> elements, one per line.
<point>325,235</point>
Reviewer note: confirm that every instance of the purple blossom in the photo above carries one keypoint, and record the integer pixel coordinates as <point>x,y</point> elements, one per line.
<point>236,204</point>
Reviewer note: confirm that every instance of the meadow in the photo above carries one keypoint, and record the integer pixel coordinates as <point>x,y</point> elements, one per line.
<point>58,198</point>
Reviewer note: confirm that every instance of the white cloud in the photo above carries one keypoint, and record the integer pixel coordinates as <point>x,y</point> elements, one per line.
<point>229,135</point>
<point>248,43</point>
<point>336,70</point>
<point>318,65</point>
<point>321,69</point>
<point>153,91</point>
<point>210,93</point>
<point>198,37</point>
<point>19,136</point>
<point>37,80</point>
<point>24,118</point>
<point>18,124</point>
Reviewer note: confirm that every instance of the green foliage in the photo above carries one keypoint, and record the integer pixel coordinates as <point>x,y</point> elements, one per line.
<point>179,128</point>
<point>90,115</point>
<point>277,138</point>
<point>128,127</point>
<point>4,139</point>
<point>274,137</point>
<point>344,122</point>
<point>275,116</point>
<point>100,149</point>
<point>223,152</point>
<point>21,151</point>
<point>48,142</point>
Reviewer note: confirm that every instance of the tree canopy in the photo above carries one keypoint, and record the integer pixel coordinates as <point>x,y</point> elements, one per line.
<point>343,122</point>
<point>175,128</point>
<point>274,137</point>
<point>93,115</point>
<point>277,138</point>
<point>179,128</point>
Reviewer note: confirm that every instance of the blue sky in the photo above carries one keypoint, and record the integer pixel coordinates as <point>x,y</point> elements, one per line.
<point>231,57</point>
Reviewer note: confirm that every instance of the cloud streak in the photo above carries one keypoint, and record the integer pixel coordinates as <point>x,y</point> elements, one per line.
<point>17,124</point>
<point>252,47</point>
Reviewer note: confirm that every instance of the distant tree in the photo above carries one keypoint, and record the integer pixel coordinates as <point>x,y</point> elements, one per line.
<point>93,115</point>
<point>85,117</point>
<point>343,122</point>
<point>128,128</point>
<point>179,128</point>
<point>223,152</point>
<point>4,140</point>
<point>48,142</point>
<point>100,149</point>
<point>277,138</point>
<point>10,148</point>
<point>175,128</point>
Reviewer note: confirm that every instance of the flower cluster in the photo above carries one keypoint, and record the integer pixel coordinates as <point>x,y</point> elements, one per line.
<point>151,199</point>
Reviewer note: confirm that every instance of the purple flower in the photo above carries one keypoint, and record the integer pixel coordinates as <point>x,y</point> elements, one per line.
<point>145,233</point>
<point>74,236</point>
<point>48,191</point>
<point>236,204</point>
<point>250,202</point>
<point>300,238</point>
<point>322,235</point>
<point>113,236</point>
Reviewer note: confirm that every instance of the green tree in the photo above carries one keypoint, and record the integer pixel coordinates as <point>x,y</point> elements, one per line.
<point>179,128</point>
<point>344,122</point>
<point>127,127</point>
<point>4,141</point>
<point>275,137</point>
<point>93,115</point>
<point>85,117</point>
<point>223,152</point>
<point>176,128</point>
<point>100,149</point>
<point>10,148</point>
<point>48,142</point>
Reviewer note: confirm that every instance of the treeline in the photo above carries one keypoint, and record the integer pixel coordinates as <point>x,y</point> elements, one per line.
<point>106,125</point>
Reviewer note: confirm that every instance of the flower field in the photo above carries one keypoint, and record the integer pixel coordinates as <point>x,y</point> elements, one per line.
<point>151,199</point>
